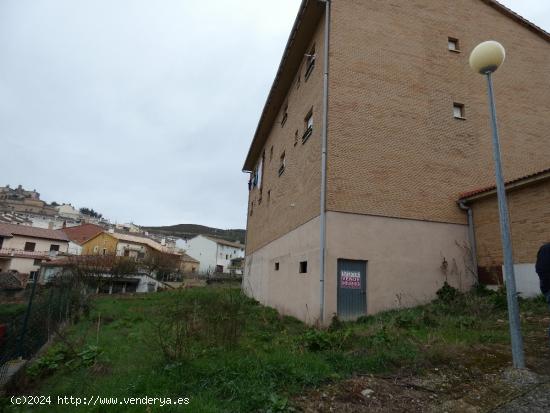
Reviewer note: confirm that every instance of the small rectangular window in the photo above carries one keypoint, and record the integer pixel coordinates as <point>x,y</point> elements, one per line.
<point>453,44</point>
<point>271,154</point>
<point>285,115</point>
<point>30,246</point>
<point>282,164</point>
<point>303,267</point>
<point>269,195</point>
<point>54,247</point>
<point>310,62</point>
<point>458,111</point>
<point>37,262</point>
<point>276,266</point>
<point>308,125</point>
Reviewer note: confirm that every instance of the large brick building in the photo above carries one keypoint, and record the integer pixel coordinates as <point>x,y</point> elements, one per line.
<point>407,132</point>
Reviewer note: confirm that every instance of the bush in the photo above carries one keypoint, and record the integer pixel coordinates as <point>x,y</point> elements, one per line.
<point>320,340</point>
<point>447,293</point>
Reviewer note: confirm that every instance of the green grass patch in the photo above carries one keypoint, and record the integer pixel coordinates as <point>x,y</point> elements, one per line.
<point>227,353</point>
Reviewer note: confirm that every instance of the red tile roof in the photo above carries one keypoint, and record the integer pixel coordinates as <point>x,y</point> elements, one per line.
<point>9,230</point>
<point>479,191</point>
<point>82,233</point>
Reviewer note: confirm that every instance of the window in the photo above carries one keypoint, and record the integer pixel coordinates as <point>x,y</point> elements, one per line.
<point>33,275</point>
<point>271,154</point>
<point>96,249</point>
<point>54,247</point>
<point>310,62</point>
<point>269,195</point>
<point>308,124</point>
<point>226,256</point>
<point>458,111</point>
<point>303,267</point>
<point>282,164</point>
<point>299,79</point>
<point>30,246</point>
<point>37,262</point>
<point>296,134</point>
<point>276,266</point>
<point>141,255</point>
<point>104,251</point>
<point>285,115</point>
<point>1,242</point>
<point>453,45</point>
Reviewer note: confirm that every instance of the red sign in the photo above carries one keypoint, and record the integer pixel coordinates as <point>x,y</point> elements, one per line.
<point>350,279</point>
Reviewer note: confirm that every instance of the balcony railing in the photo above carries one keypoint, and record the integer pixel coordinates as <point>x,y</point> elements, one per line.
<point>15,253</point>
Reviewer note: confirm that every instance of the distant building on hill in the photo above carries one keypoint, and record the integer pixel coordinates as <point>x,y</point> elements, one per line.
<point>20,200</point>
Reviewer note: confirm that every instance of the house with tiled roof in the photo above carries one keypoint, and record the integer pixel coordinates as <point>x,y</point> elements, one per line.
<point>79,235</point>
<point>373,126</point>
<point>24,248</point>
<point>529,210</point>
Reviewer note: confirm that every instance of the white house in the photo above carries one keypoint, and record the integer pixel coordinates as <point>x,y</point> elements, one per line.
<point>23,248</point>
<point>214,254</point>
<point>68,211</point>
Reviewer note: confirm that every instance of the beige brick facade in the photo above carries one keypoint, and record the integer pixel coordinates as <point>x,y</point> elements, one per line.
<point>293,198</point>
<point>398,159</point>
<point>395,148</point>
<point>529,209</point>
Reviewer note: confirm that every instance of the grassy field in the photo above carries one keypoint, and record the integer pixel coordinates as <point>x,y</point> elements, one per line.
<point>229,354</point>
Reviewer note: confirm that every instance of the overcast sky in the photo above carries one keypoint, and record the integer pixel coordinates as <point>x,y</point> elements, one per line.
<point>143,110</point>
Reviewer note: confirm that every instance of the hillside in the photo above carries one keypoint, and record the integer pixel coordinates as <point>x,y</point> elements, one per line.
<point>190,230</point>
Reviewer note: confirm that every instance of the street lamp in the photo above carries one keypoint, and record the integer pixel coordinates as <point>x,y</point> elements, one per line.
<point>486,59</point>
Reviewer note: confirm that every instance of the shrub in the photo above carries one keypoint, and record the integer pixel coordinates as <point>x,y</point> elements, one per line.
<point>447,293</point>
<point>320,340</point>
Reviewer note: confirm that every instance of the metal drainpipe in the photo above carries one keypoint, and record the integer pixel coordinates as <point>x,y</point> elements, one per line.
<point>471,234</point>
<point>324,163</point>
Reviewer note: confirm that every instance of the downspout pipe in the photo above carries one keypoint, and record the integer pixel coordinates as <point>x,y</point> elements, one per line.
<point>323,214</point>
<point>471,234</point>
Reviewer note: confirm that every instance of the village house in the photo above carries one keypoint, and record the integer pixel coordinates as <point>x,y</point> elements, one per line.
<point>24,248</point>
<point>68,211</point>
<point>79,235</point>
<point>361,155</point>
<point>122,245</point>
<point>529,206</point>
<point>214,254</point>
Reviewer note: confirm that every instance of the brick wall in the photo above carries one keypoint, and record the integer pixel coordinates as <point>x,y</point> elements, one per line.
<point>295,195</point>
<point>395,148</point>
<point>530,224</point>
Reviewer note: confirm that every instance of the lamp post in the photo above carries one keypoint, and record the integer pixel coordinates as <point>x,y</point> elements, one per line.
<point>486,59</point>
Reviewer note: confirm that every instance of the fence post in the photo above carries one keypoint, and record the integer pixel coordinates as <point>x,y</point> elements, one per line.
<point>26,320</point>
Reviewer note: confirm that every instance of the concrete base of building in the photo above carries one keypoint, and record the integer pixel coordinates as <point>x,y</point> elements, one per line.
<point>407,262</point>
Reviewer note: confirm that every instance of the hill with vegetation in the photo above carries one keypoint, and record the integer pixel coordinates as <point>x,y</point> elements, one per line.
<point>190,230</point>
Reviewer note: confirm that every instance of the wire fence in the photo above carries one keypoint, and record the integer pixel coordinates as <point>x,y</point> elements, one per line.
<point>47,308</point>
